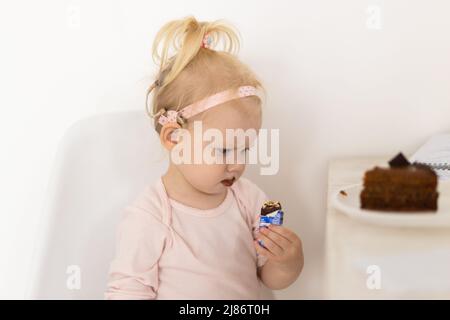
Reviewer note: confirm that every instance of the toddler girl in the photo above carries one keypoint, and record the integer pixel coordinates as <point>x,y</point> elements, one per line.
<point>193,234</point>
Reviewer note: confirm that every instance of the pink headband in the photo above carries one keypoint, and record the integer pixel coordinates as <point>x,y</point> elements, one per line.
<point>207,103</point>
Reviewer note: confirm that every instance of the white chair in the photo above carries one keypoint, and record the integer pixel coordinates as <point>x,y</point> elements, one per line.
<point>102,163</point>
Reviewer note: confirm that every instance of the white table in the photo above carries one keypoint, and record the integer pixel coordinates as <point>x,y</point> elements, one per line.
<point>352,246</point>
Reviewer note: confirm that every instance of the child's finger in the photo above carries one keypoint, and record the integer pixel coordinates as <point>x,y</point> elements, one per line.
<point>270,245</point>
<point>275,237</point>
<point>284,232</point>
<point>263,251</point>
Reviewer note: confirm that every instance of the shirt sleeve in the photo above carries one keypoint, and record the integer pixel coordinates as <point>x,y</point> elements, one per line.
<point>133,273</point>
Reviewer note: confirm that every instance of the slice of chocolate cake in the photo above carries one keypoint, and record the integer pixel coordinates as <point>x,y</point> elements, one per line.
<point>401,187</point>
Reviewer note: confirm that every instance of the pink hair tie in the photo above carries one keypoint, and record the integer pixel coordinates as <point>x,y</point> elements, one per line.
<point>206,42</point>
<point>171,117</point>
<point>207,103</point>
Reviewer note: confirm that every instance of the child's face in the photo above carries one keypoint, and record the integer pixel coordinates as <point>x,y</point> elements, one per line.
<point>215,178</point>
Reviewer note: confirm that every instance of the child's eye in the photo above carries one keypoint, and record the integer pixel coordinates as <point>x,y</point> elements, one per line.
<point>225,151</point>
<point>220,150</point>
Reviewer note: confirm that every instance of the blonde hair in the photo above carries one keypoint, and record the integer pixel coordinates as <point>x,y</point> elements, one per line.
<point>195,72</point>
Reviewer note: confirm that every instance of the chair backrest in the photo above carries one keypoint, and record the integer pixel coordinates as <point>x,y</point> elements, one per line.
<point>102,163</point>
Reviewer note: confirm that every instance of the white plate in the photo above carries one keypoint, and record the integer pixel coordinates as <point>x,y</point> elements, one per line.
<point>350,205</point>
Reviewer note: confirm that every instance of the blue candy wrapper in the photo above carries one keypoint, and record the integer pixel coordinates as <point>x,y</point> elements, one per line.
<point>275,217</point>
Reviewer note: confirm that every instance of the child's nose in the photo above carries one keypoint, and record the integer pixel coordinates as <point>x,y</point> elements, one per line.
<point>235,167</point>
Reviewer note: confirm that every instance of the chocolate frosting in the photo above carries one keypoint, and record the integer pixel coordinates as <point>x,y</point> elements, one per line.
<point>400,161</point>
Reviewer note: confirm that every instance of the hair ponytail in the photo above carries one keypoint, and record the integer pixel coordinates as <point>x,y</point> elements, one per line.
<point>185,37</point>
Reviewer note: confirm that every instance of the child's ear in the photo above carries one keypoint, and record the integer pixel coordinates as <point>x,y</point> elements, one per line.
<point>168,135</point>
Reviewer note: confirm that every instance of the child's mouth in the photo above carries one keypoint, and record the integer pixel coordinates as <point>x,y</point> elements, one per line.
<point>228,182</point>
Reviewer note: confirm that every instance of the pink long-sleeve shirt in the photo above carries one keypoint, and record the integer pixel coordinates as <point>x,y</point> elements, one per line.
<point>167,250</point>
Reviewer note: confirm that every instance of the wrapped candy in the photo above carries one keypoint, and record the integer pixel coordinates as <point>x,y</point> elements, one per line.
<point>271,213</point>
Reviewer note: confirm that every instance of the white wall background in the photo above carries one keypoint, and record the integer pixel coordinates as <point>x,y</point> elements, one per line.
<point>339,84</point>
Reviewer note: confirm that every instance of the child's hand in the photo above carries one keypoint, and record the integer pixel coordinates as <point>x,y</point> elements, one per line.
<point>283,248</point>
